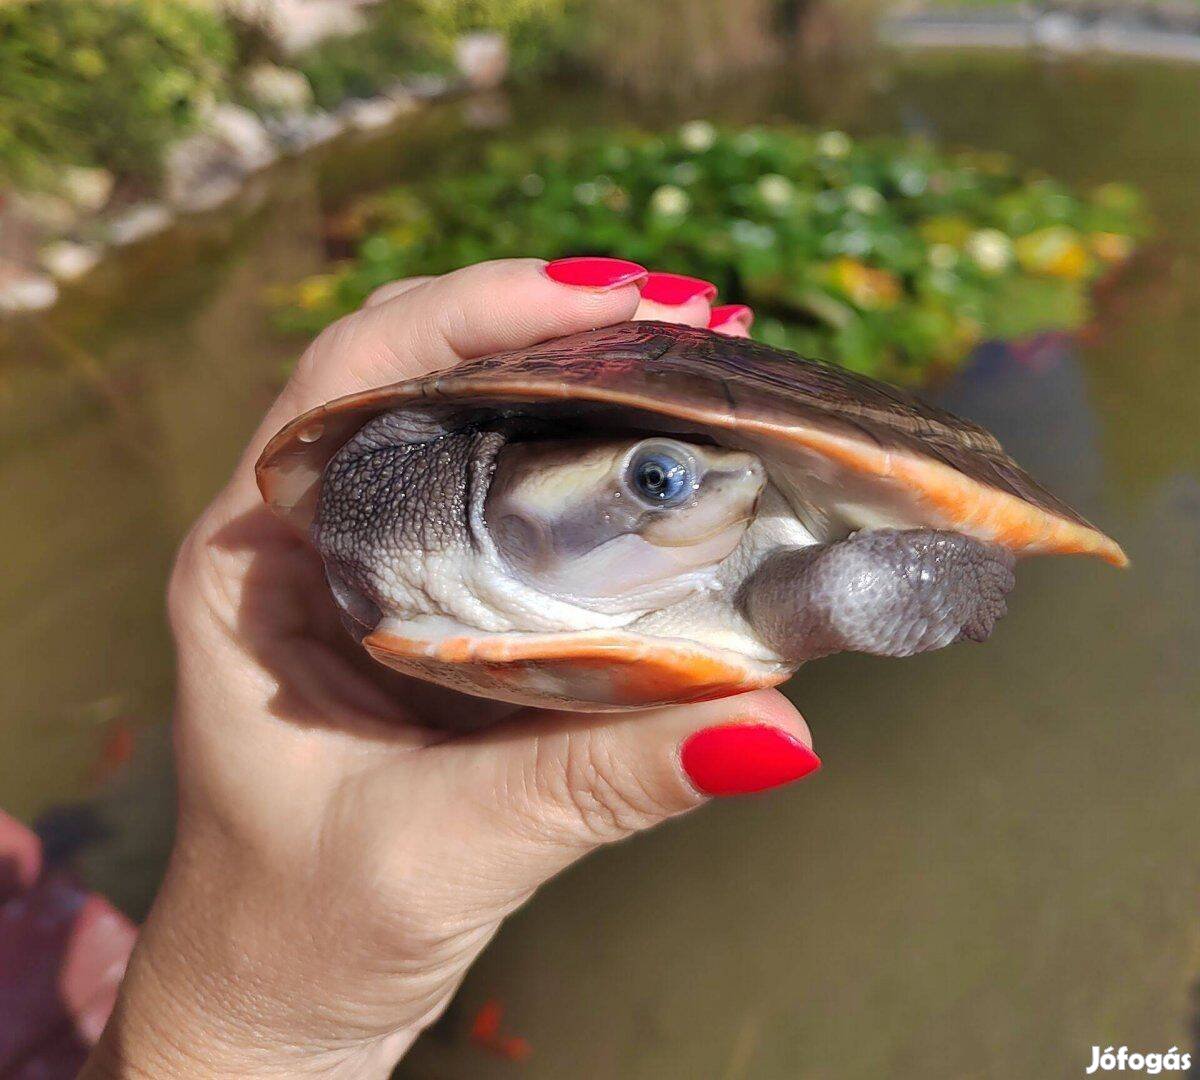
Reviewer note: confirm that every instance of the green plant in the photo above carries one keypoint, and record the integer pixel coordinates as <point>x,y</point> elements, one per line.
<point>882,255</point>
<point>396,40</point>
<point>537,31</point>
<point>450,18</point>
<point>102,82</point>
<point>407,36</point>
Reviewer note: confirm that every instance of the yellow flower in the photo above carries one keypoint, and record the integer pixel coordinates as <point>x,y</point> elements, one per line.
<point>1056,251</point>
<point>312,292</point>
<point>951,229</point>
<point>967,334</point>
<point>866,286</point>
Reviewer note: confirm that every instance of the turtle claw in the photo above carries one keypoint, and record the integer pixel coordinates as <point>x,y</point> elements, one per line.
<point>994,579</point>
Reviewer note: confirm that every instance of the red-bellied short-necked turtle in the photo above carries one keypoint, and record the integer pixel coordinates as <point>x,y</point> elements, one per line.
<point>651,513</point>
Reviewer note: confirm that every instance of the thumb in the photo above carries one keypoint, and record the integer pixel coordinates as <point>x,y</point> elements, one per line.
<point>549,787</point>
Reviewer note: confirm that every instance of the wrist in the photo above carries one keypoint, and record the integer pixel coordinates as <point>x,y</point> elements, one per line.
<point>199,1002</point>
<point>163,1028</point>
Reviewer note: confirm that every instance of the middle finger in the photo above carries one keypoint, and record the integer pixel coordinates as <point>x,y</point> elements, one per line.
<point>676,298</point>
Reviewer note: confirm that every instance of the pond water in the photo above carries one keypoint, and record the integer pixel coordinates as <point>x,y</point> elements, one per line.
<point>997,867</point>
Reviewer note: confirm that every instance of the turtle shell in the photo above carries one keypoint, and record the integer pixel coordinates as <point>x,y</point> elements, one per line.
<point>907,462</point>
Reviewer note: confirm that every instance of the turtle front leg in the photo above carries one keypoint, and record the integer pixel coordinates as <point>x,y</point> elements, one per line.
<point>889,592</point>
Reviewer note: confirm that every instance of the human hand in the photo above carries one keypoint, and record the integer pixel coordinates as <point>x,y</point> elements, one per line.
<point>338,863</point>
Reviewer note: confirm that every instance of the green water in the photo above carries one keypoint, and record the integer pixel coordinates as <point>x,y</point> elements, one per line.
<point>997,867</point>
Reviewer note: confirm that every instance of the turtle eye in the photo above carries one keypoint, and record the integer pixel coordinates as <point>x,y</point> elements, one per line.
<point>661,477</point>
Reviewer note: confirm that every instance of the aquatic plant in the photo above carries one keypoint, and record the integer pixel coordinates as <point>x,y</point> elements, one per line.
<point>105,83</point>
<point>886,256</point>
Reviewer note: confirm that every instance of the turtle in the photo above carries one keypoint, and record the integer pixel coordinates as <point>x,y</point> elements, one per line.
<point>650,514</point>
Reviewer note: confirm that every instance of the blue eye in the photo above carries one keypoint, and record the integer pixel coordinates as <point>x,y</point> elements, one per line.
<point>661,478</point>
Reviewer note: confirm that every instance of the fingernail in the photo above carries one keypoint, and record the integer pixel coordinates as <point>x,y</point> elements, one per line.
<point>675,289</point>
<point>737,759</point>
<point>731,314</point>
<point>593,272</point>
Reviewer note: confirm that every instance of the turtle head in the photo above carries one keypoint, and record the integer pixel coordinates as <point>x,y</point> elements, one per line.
<point>612,517</point>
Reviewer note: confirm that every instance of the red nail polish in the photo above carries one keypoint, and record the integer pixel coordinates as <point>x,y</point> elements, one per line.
<point>731,313</point>
<point>593,272</point>
<point>675,289</point>
<point>736,759</point>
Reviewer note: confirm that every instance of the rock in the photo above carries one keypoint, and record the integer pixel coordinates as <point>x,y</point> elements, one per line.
<point>67,260</point>
<point>244,134</point>
<point>138,222</point>
<point>1059,32</point>
<point>482,59</point>
<point>200,174</point>
<point>88,189</point>
<point>25,290</point>
<point>422,87</point>
<point>208,168</point>
<point>40,212</point>
<point>278,89</point>
<point>369,113</point>
<point>20,234</point>
<point>405,102</point>
<point>296,132</point>
<point>296,25</point>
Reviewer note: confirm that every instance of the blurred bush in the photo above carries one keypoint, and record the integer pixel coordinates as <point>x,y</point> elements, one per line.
<point>105,83</point>
<point>360,65</point>
<point>416,36</point>
<point>447,20</point>
<point>887,257</point>
<point>670,45</point>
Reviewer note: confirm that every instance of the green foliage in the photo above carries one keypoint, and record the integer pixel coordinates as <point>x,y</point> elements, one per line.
<point>102,82</point>
<point>885,256</point>
<point>406,36</point>
<point>396,40</point>
<point>450,18</point>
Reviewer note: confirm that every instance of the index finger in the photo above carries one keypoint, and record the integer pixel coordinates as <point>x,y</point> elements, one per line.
<point>486,308</point>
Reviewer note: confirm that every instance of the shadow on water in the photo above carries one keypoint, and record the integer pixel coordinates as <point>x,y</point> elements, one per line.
<point>996,869</point>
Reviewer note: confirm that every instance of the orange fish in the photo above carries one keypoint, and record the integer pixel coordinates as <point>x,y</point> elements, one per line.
<point>116,750</point>
<point>485,1033</point>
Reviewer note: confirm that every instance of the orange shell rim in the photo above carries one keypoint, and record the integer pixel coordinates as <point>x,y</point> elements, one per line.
<point>1022,527</point>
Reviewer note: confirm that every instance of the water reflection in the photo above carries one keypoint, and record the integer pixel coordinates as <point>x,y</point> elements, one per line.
<point>995,870</point>
<point>1034,396</point>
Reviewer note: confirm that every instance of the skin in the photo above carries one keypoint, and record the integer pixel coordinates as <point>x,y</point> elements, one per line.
<point>402,525</point>
<point>338,866</point>
<point>889,592</point>
<point>564,516</point>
